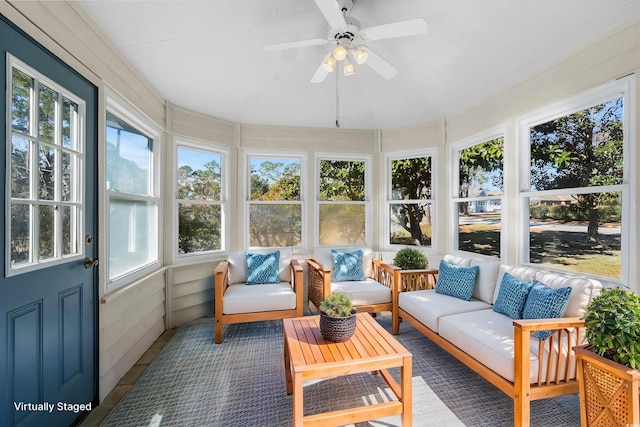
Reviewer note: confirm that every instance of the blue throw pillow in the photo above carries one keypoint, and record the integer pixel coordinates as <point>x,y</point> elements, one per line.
<point>263,268</point>
<point>546,303</point>
<point>456,281</point>
<point>347,266</point>
<point>512,296</point>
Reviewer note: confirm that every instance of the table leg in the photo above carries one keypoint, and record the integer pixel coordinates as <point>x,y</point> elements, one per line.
<point>298,400</point>
<point>407,389</point>
<point>287,368</point>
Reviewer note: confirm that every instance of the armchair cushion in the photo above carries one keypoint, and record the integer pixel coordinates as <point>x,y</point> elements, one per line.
<point>347,266</point>
<point>363,292</point>
<point>324,257</point>
<point>242,298</point>
<point>262,269</point>
<point>238,265</point>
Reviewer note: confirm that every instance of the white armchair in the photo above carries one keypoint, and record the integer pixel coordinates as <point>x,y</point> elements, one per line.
<point>373,294</point>
<point>239,302</point>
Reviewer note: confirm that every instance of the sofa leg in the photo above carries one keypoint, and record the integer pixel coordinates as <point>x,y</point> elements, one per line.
<point>218,332</point>
<point>521,411</point>
<point>395,325</point>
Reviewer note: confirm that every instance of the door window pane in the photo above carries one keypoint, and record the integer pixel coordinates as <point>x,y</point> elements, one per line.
<point>20,236</point>
<point>21,86</point>
<point>69,124</point>
<point>47,227</point>
<point>20,168</point>
<point>47,164</point>
<point>47,113</point>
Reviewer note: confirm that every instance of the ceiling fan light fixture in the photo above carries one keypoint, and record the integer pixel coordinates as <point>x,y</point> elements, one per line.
<point>329,64</point>
<point>339,53</point>
<point>360,55</point>
<point>348,69</point>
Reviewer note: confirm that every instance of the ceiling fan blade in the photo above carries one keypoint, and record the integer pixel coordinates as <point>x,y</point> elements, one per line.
<point>299,43</point>
<point>320,73</point>
<point>379,65</point>
<point>332,13</point>
<point>411,27</point>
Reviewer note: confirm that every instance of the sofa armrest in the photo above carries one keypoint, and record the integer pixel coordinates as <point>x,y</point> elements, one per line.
<point>417,280</point>
<point>297,284</point>
<point>221,282</point>
<point>556,361</point>
<point>388,275</point>
<point>319,282</point>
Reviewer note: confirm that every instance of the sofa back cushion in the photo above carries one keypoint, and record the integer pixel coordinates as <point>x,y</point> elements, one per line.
<point>238,265</point>
<point>486,280</point>
<point>582,290</point>
<point>457,260</point>
<point>324,257</point>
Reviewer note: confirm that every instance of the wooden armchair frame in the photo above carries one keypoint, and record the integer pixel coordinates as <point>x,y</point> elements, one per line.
<point>319,284</point>
<point>221,276</point>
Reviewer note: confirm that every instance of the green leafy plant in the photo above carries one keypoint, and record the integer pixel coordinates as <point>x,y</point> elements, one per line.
<point>411,259</point>
<point>612,323</point>
<point>336,305</point>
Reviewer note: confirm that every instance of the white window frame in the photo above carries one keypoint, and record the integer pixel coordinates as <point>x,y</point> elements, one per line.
<point>248,202</point>
<point>209,148</point>
<point>78,190</point>
<point>456,147</point>
<point>625,88</point>
<point>368,160</point>
<point>117,106</point>
<point>403,155</point>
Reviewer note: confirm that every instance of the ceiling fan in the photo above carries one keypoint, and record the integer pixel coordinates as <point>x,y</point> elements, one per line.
<point>350,40</point>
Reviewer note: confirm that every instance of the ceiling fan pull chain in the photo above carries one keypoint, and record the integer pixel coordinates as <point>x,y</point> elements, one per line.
<point>337,102</point>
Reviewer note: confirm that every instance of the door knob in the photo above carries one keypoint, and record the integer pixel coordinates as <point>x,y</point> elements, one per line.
<point>90,263</point>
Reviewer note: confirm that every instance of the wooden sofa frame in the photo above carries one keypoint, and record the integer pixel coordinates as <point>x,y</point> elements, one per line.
<point>319,284</point>
<point>221,278</point>
<point>567,330</point>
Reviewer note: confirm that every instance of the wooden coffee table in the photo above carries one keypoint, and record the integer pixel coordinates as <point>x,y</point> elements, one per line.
<point>308,356</point>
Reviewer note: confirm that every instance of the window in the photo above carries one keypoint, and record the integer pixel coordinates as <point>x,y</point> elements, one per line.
<point>200,195</point>
<point>44,168</point>
<point>478,194</point>
<point>275,202</point>
<point>577,191</point>
<point>409,209</point>
<point>343,201</point>
<point>132,195</point>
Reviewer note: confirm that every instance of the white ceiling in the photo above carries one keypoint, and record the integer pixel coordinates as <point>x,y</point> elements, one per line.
<point>207,55</point>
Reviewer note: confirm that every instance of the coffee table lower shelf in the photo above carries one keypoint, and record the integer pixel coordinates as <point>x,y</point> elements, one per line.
<point>308,356</point>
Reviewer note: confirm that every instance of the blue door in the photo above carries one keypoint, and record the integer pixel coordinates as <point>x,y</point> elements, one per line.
<point>48,291</point>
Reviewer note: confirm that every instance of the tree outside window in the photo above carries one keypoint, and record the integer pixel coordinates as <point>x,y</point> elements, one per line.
<point>199,201</point>
<point>410,208</point>
<point>480,189</point>
<point>576,190</point>
<point>275,207</point>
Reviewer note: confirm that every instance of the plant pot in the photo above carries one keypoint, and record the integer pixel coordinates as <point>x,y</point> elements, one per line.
<point>337,329</point>
<point>609,391</point>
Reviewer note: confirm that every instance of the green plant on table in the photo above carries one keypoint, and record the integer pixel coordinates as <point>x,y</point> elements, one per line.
<point>411,259</point>
<point>612,323</point>
<point>336,305</point>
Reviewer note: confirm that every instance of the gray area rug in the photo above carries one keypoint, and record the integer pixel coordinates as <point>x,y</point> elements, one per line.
<point>240,382</point>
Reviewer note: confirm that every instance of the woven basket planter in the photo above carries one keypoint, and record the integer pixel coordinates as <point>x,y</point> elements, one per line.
<point>609,391</point>
<point>337,329</point>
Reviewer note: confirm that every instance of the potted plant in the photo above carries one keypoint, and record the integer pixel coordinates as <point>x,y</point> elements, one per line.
<point>337,318</point>
<point>411,259</point>
<point>414,274</point>
<point>608,366</point>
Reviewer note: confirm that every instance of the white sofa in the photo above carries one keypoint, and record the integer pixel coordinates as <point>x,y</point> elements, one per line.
<point>505,351</point>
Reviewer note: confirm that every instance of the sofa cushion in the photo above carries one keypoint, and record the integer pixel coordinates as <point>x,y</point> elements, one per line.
<point>243,298</point>
<point>428,306</point>
<point>524,274</point>
<point>487,336</point>
<point>238,265</point>
<point>347,265</point>
<point>363,292</point>
<point>456,281</point>
<point>544,302</point>
<point>324,257</point>
<point>486,280</point>
<point>262,268</point>
<point>452,259</point>
<point>512,296</point>
<point>583,290</point>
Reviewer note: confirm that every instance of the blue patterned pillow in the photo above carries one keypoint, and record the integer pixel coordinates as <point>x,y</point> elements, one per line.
<point>512,296</point>
<point>347,266</point>
<point>263,268</point>
<point>456,281</point>
<point>546,303</point>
